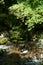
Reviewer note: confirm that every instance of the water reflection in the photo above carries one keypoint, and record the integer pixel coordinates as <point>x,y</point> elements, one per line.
<point>35,59</point>
<point>30,61</point>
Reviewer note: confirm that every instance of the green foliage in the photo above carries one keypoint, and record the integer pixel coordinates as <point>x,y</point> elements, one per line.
<point>42,63</point>
<point>1,1</point>
<point>15,36</point>
<point>22,16</point>
<point>3,41</point>
<point>27,14</point>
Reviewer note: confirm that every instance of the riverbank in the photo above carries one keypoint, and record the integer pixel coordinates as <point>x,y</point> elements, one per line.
<point>13,54</point>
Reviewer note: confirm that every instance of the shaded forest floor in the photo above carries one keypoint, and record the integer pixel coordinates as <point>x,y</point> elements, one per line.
<point>12,56</point>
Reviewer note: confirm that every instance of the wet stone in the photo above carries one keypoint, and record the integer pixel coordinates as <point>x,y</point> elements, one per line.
<point>29,62</point>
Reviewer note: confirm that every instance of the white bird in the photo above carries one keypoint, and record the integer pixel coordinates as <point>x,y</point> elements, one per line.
<point>24,52</point>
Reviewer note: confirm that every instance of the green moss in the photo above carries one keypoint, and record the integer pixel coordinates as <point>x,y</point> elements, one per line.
<point>3,41</point>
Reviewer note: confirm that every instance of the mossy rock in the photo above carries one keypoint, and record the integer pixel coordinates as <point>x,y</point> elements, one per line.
<point>3,41</point>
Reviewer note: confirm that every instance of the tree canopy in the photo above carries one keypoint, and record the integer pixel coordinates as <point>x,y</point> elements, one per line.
<point>22,18</point>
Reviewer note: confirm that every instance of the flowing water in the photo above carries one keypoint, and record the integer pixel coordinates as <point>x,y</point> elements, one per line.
<point>29,62</point>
